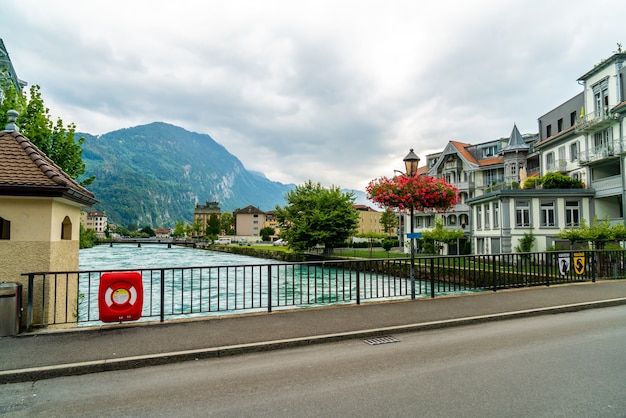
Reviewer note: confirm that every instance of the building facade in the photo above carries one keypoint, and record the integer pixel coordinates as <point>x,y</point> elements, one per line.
<point>583,138</point>
<point>95,220</point>
<point>249,221</point>
<point>202,213</point>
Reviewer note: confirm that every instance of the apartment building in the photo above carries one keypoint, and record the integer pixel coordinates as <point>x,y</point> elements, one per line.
<point>369,220</point>
<point>249,221</point>
<point>96,220</point>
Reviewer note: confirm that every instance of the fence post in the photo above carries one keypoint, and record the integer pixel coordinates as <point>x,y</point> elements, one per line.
<point>269,288</point>
<point>594,266</point>
<point>358,283</point>
<point>29,306</point>
<point>162,295</point>
<point>432,277</point>
<point>494,274</point>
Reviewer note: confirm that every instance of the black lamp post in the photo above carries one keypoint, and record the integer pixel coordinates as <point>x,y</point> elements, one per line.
<point>411,161</point>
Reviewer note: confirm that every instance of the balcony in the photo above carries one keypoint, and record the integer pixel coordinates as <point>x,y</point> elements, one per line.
<point>594,121</point>
<point>605,151</point>
<point>607,186</point>
<point>558,165</point>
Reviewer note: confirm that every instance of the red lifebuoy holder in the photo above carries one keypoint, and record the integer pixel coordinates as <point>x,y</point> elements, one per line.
<point>120,296</point>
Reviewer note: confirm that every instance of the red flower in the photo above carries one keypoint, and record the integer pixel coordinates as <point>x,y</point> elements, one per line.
<point>420,192</point>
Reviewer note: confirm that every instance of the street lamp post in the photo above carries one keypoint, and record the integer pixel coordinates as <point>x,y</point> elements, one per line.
<point>411,161</point>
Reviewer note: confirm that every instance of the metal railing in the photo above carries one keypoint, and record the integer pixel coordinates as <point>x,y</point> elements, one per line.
<point>58,298</point>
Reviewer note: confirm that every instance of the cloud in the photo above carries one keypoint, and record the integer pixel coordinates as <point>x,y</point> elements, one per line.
<point>335,92</point>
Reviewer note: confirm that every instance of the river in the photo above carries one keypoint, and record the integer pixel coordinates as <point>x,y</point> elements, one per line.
<point>130,256</point>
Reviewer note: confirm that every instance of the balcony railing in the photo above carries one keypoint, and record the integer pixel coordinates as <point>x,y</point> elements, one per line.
<point>607,183</point>
<point>594,120</point>
<point>610,150</point>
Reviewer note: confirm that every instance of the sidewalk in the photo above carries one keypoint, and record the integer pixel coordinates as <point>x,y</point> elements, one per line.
<point>47,354</point>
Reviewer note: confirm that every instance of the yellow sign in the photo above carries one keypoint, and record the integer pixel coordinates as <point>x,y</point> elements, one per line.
<point>579,263</point>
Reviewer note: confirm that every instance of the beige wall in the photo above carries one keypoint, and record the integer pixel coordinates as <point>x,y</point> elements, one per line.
<point>246,226</point>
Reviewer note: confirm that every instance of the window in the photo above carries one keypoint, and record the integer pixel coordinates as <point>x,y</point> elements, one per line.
<point>490,151</point>
<point>487,215</point>
<point>572,213</point>
<point>522,213</point>
<point>5,229</point>
<point>548,131</point>
<point>550,161</point>
<point>547,214</point>
<point>559,125</point>
<point>572,118</point>
<point>601,95</point>
<point>66,228</point>
<point>479,217</point>
<point>601,139</point>
<point>513,168</point>
<point>573,151</point>
<point>496,214</point>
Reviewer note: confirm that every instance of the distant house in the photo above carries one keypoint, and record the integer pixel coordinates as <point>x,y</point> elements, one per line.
<point>96,220</point>
<point>39,215</point>
<point>272,222</point>
<point>249,221</point>
<point>369,220</point>
<point>202,213</point>
<point>163,232</point>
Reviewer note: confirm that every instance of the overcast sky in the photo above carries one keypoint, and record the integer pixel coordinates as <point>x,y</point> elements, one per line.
<point>332,91</point>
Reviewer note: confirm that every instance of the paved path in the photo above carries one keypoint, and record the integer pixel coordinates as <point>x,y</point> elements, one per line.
<point>34,356</point>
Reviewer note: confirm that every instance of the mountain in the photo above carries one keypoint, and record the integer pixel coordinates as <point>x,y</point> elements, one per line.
<point>155,174</point>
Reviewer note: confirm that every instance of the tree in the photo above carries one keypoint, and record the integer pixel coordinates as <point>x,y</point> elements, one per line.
<point>389,221</point>
<point>147,230</point>
<point>56,140</point>
<point>440,234</point>
<point>266,233</point>
<point>213,227</point>
<point>526,243</point>
<point>371,237</point>
<point>179,229</point>
<point>316,215</point>
<point>227,223</point>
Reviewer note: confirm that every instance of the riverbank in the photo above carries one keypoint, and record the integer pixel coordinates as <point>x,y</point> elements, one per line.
<point>280,253</point>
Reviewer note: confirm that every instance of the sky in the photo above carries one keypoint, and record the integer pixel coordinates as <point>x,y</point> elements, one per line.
<point>336,92</point>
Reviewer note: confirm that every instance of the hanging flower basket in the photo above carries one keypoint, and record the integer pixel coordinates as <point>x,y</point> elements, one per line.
<point>420,192</point>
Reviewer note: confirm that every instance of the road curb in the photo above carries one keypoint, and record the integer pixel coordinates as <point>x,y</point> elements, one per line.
<point>97,366</point>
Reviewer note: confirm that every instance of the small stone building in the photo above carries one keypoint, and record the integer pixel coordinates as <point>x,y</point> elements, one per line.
<point>39,220</point>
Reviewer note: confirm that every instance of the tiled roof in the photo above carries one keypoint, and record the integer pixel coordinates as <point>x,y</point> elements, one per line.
<point>556,135</point>
<point>492,161</point>
<point>26,171</point>
<point>249,209</point>
<point>462,148</point>
<point>620,107</point>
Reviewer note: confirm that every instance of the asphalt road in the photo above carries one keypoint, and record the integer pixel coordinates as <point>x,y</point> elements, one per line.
<point>565,365</point>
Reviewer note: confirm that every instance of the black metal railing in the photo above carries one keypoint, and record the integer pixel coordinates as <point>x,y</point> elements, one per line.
<point>57,298</point>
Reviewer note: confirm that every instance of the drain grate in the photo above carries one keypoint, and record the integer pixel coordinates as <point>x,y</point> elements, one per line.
<point>381,340</point>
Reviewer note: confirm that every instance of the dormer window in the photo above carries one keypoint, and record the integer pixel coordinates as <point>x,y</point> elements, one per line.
<point>490,151</point>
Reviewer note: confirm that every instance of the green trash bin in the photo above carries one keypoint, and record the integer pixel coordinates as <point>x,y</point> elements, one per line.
<point>10,308</point>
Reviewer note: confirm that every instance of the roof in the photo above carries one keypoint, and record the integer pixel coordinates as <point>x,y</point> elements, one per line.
<point>363,208</point>
<point>516,142</point>
<point>249,210</point>
<point>618,56</point>
<point>26,171</point>
<point>555,136</point>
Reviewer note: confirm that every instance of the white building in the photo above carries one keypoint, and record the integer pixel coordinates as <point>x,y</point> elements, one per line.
<point>583,138</point>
